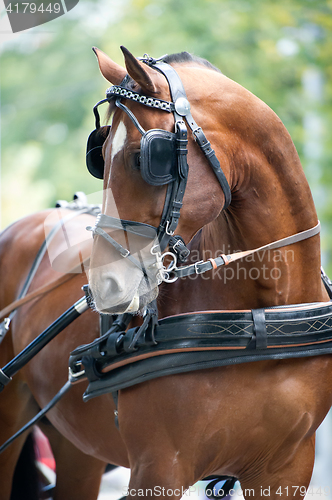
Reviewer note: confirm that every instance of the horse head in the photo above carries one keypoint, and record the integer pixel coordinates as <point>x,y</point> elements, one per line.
<point>146,175</point>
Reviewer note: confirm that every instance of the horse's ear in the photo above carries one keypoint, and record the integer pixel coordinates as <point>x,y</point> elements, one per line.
<point>146,77</point>
<point>113,72</point>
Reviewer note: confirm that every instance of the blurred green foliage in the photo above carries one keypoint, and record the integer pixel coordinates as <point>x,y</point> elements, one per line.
<point>278,49</point>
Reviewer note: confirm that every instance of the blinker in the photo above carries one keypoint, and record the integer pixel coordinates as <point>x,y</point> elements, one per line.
<point>94,157</point>
<point>158,151</point>
<point>158,157</point>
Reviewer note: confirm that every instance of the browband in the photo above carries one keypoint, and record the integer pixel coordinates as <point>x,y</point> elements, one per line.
<point>118,91</point>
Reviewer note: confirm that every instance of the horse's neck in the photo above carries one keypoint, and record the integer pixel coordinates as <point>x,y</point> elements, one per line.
<point>268,204</point>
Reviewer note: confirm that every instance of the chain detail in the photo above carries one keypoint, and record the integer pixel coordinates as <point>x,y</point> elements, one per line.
<point>118,91</point>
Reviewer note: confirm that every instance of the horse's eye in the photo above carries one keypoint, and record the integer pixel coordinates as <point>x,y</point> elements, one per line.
<point>137,161</point>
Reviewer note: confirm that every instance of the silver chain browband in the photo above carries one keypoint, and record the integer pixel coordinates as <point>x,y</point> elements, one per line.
<point>152,102</point>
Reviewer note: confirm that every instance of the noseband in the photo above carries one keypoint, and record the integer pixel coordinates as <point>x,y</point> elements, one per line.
<point>163,157</point>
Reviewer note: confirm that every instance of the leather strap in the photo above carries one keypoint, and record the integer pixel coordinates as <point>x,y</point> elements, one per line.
<point>131,116</point>
<point>258,317</point>
<point>204,266</point>
<point>210,154</point>
<point>171,218</point>
<point>124,252</point>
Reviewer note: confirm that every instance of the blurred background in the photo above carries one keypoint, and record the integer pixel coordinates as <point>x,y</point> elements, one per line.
<point>281,50</point>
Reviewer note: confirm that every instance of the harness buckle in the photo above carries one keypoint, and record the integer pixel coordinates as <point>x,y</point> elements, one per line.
<point>196,131</point>
<point>124,252</point>
<point>197,271</point>
<point>165,273</point>
<point>6,323</point>
<point>178,246</point>
<point>76,376</point>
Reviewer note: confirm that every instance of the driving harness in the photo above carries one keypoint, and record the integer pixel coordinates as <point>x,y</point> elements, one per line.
<point>123,357</point>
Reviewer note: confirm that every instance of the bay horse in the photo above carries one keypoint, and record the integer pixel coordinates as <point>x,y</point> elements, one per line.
<point>255,421</point>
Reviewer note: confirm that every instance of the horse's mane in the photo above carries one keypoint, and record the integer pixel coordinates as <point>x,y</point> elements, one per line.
<point>186,57</point>
<point>208,238</point>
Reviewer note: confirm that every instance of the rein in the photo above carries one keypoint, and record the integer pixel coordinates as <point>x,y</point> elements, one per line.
<point>204,266</point>
<point>42,290</point>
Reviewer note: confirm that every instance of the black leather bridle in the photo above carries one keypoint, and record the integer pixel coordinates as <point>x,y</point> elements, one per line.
<point>152,169</point>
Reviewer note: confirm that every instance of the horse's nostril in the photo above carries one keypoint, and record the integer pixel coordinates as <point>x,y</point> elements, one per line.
<point>114,287</point>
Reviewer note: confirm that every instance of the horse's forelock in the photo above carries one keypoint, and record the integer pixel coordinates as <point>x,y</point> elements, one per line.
<point>110,111</point>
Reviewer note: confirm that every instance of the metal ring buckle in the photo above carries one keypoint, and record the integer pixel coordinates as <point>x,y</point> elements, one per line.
<point>166,278</point>
<point>172,265</point>
<point>164,273</point>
